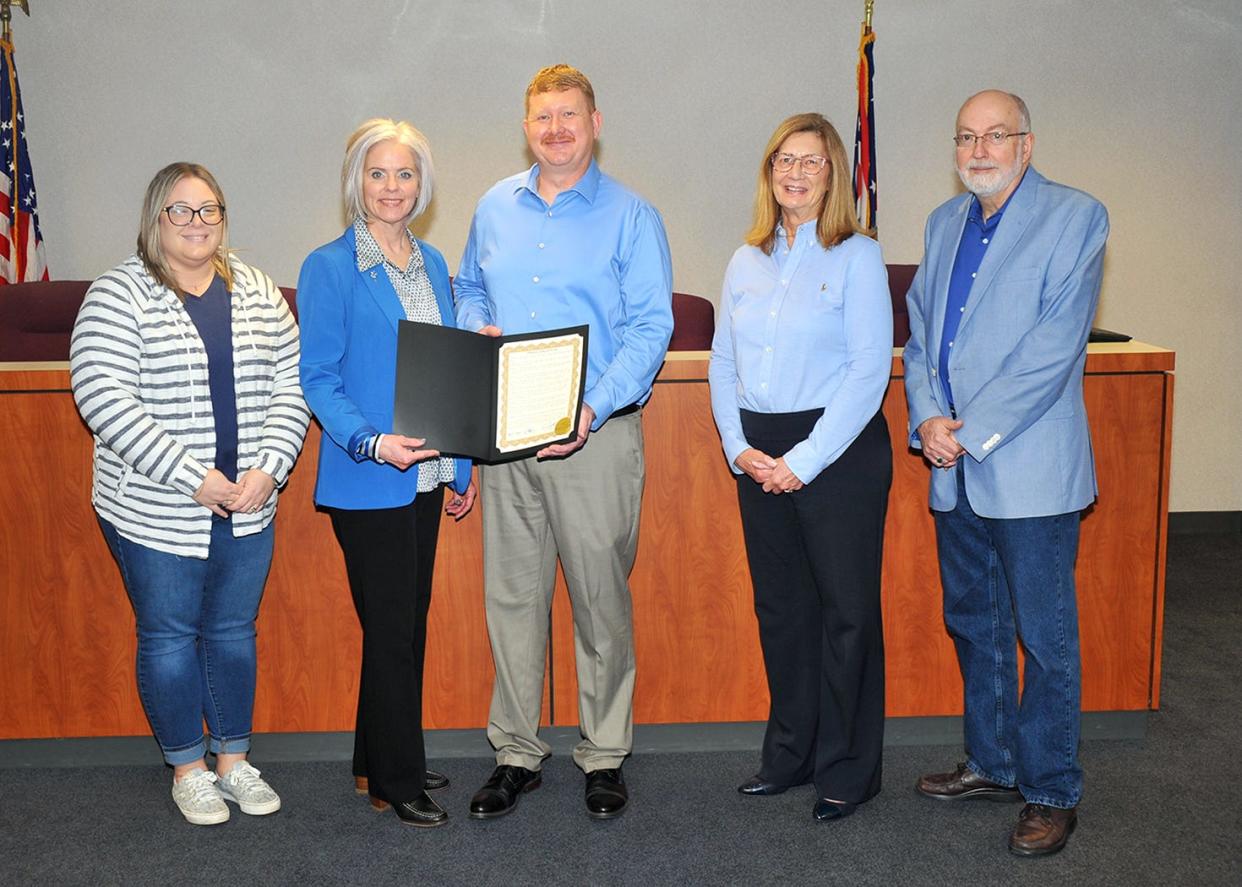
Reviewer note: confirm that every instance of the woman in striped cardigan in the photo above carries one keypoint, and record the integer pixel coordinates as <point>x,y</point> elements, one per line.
<point>184,365</point>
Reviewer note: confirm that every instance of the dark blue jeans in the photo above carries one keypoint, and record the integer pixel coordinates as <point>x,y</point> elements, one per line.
<point>1010,581</point>
<point>196,649</point>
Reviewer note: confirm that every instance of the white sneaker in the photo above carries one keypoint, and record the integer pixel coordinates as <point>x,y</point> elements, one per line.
<point>242,786</point>
<point>198,797</point>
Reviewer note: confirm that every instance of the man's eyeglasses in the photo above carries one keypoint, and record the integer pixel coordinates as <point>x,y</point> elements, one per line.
<point>811,163</point>
<point>993,139</point>
<point>181,215</point>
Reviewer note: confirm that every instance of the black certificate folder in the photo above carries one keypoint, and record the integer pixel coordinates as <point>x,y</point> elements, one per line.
<point>489,398</point>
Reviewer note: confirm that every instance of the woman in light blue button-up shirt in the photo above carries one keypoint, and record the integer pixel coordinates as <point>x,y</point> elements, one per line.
<point>800,363</point>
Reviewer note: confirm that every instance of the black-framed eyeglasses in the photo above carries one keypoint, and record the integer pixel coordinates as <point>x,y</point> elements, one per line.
<point>993,139</point>
<point>812,164</point>
<point>181,215</point>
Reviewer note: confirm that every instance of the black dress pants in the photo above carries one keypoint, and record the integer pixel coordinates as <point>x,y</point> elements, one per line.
<point>390,556</point>
<point>815,559</point>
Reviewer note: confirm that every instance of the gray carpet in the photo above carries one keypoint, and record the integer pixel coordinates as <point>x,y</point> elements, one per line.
<point>1161,810</point>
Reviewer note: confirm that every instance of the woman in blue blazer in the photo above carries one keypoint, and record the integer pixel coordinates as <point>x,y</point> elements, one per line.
<point>383,491</point>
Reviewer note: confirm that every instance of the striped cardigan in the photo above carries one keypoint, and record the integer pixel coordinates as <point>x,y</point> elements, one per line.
<point>139,375</point>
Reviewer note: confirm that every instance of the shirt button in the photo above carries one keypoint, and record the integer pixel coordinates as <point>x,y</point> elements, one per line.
<point>532,314</point>
<point>950,344</point>
<point>541,246</point>
<point>784,283</point>
<point>549,214</point>
<point>773,313</point>
<point>763,384</point>
<point>985,240</point>
<point>535,279</point>
<point>769,348</point>
<point>962,309</point>
<point>973,275</point>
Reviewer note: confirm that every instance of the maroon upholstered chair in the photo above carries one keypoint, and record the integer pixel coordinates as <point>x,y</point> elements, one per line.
<point>37,318</point>
<point>899,279</point>
<point>694,323</point>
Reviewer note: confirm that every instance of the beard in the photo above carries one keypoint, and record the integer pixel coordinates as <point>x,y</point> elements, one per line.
<point>989,182</point>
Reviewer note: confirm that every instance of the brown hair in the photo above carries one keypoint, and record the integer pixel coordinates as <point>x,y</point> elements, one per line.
<point>558,78</point>
<point>150,247</point>
<point>837,221</point>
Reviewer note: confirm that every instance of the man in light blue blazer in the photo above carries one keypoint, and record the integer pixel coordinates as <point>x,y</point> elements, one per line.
<point>1000,310</point>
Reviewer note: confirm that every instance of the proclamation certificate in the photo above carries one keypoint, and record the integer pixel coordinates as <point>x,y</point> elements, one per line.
<point>490,399</point>
<point>540,381</point>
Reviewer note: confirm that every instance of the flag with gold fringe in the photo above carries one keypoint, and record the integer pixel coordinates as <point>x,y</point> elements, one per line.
<point>864,131</point>
<point>21,241</point>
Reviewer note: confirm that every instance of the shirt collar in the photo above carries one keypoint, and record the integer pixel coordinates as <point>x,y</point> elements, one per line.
<point>587,186</point>
<point>367,249</point>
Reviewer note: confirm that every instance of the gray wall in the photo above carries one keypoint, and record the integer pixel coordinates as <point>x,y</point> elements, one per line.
<point>1136,102</point>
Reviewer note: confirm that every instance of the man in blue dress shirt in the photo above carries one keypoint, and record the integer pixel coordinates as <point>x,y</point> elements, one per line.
<point>1000,310</point>
<point>558,245</point>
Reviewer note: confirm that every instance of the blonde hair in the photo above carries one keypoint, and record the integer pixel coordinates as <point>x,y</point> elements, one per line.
<point>558,78</point>
<point>366,137</point>
<point>836,217</point>
<point>150,243</point>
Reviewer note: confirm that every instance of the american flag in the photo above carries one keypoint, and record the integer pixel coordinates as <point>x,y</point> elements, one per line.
<point>21,241</point>
<point>864,132</point>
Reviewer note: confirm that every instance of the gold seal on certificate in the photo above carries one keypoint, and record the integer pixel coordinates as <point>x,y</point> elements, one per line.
<point>488,398</point>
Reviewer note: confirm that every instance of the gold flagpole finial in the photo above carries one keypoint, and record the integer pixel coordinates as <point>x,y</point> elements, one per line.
<point>869,8</point>
<point>6,15</point>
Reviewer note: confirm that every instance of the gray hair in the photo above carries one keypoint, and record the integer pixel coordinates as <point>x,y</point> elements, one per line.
<point>1024,115</point>
<point>366,137</point>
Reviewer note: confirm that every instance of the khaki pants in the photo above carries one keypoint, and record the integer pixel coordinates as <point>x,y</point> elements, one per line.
<point>583,509</point>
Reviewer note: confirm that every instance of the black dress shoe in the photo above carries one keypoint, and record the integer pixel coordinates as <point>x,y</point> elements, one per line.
<point>432,782</point>
<point>964,783</point>
<point>500,794</point>
<point>606,794</point>
<point>756,785</point>
<point>826,810</point>
<point>422,812</point>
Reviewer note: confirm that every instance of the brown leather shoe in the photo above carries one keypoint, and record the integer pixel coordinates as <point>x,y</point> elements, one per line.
<point>1042,830</point>
<point>964,783</point>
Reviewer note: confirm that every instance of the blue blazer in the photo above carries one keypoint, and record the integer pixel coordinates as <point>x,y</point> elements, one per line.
<point>349,369</point>
<point>1018,357</point>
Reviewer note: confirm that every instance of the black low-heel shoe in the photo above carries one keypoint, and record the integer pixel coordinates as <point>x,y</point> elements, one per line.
<point>757,786</point>
<point>422,812</point>
<point>826,811</point>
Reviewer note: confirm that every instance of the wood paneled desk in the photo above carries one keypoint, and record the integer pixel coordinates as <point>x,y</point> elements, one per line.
<point>66,628</point>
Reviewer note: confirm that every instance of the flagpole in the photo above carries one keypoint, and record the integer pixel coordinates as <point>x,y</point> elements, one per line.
<point>6,16</point>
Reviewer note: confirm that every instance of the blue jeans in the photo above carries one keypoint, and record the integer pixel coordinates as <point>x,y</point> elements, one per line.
<point>1007,581</point>
<point>196,650</point>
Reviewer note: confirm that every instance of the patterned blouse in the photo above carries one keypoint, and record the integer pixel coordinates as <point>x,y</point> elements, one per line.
<point>413,288</point>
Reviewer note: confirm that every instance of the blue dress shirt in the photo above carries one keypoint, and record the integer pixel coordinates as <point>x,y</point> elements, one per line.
<point>970,252</point>
<point>597,255</point>
<point>801,329</point>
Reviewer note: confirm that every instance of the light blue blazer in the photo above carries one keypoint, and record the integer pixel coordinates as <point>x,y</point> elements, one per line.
<point>1017,360</point>
<point>349,369</point>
